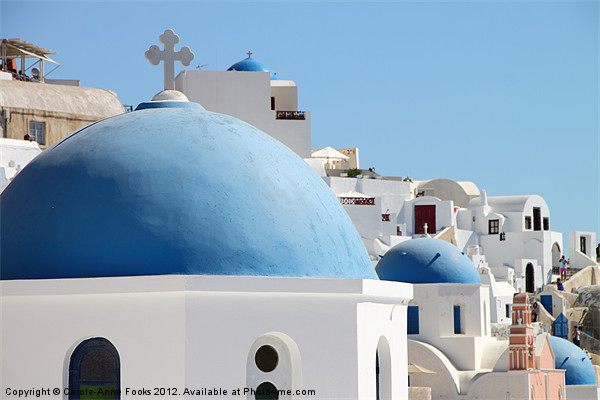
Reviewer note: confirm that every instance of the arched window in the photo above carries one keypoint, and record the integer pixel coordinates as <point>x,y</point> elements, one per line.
<point>95,371</point>
<point>560,392</point>
<point>412,319</point>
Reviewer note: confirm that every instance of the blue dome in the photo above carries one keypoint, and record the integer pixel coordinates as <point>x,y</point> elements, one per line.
<point>174,190</point>
<point>250,64</point>
<point>427,260</point>
<point>570,357</point>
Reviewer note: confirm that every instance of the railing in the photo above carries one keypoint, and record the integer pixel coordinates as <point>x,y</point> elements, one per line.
<point>357,201</point>
<point>289,115</point>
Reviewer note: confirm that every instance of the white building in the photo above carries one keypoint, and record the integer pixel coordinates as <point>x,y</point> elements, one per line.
<point>582,249</point>
<point>248,90</point>
<point>208,257</point>
<point>509,234</point>
<point>14,155</point>
<point>448,324</point>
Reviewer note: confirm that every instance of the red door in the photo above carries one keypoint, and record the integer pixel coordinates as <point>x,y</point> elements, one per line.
<point>423,215</point>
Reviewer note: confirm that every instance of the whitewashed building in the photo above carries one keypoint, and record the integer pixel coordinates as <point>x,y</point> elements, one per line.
<point>248,90</point>
<point>448,330</point>
<point>204,259</point>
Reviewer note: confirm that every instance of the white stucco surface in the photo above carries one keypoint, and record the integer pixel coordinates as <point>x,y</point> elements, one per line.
<point>186,327</point>
<point>247,95</point>
<point>14,155</point>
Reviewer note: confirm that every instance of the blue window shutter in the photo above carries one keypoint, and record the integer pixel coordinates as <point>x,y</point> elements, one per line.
<point>457,327</point>
<point>413,320</point>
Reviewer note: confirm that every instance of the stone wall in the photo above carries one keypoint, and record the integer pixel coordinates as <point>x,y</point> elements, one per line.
<point>57,125</point>
<point>419,393</point>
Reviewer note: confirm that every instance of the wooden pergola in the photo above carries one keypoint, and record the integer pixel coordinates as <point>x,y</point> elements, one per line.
<point>19,49</point>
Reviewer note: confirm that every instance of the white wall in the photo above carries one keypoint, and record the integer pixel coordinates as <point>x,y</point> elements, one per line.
<point>14,156</point>
<point>197,331</point>
<point>578,259</point>
<point>444,214</point>
<point>501,386</point>
<point>501,295</point>
<point>533,245</point>
<point>586,392</point>
<point>247,96</point>
<point>286,95</point>
<point>436,320</point>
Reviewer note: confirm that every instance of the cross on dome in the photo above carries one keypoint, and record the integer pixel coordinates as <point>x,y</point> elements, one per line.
<point>249,54</point>
<point>169,56</point>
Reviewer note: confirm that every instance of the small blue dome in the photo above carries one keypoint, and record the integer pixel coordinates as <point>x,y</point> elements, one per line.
<point>174,190</point>
<point>426,260</point>
<point>250,64</point>
<point>580,370</point>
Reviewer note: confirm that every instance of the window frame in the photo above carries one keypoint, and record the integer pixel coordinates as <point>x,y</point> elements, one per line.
<point>493,226</point>
<point>37,135</point>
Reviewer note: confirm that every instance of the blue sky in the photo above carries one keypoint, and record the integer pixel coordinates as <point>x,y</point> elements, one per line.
<point>504,94</point>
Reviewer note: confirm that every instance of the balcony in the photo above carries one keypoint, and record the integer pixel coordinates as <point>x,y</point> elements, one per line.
<point>298,115</point>
<point>357,201</point>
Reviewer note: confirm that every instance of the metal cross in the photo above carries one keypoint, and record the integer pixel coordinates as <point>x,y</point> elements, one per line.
<point>249,54</point>
<point>169,56</point>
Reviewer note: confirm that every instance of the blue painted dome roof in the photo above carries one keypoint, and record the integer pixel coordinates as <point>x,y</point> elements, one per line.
<point>426,260</point>
<point>174,190</point>
<point>250,64</point>
<point>580,370</point>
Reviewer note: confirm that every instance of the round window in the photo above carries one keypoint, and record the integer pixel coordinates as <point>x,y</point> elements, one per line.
<point>266,390</point>
<point>266,358</point>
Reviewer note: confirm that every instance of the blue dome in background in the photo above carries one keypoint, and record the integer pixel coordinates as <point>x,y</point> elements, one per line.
<point>174,190</point>
<point>580,370</point>
<point>250,64</point>
<point>426,260</point>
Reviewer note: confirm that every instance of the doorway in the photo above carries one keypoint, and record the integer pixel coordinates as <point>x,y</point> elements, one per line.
<point>424,215</point>
<point>529,278</point>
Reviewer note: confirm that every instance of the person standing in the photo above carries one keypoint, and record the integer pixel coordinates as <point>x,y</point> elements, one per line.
<point>563,268</point>
<point>576,336</point>
<point>534,312</point>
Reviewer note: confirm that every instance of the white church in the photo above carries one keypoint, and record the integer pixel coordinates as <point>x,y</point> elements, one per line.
<point>210,260</point>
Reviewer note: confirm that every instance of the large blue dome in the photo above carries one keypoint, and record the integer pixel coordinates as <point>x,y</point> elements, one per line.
<point>174,190</point>
<point>580,370</point>
<point>250,64</point>
<point>426,260</point>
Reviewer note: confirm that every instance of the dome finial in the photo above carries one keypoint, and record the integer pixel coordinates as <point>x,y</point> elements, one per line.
<point>249,54</point>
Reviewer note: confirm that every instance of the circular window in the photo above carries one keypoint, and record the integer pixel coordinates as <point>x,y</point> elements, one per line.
<point>266,358</point>
<point>266,390</point>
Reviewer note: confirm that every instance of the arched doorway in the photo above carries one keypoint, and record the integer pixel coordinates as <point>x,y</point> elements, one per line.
<point>383,370</point>
<point>529,278</point>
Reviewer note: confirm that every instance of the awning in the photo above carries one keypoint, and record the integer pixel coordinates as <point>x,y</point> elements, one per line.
<point>18,48</point>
